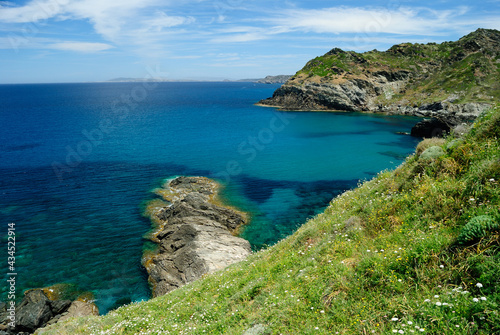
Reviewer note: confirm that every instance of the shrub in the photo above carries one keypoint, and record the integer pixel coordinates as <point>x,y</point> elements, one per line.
<point>477,228</point>
<point>429,142</point>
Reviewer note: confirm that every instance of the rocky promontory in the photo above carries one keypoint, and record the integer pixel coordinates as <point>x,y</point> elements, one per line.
<point>452,81</point>
<point>194,234</point>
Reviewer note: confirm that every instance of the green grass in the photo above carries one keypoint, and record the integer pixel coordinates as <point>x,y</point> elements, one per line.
<point>382,258</point>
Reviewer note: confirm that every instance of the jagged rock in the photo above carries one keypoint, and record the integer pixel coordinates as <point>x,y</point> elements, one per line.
<point>33,312</point>
<point>79,308</point>
<point>195,237</point>
<point>37,310</point>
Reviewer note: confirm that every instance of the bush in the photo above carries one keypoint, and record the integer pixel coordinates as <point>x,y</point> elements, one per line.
<point>477,228</point>
<point>429,142</point>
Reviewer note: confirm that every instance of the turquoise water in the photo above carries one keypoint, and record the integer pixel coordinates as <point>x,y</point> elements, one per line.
<point>78,161</point>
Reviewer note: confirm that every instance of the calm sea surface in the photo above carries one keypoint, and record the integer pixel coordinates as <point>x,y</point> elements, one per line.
<point>78,162</point>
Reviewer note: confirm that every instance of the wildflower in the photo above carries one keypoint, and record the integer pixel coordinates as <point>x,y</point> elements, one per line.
<point>475,299</point>
<point>441,266</point>
<point>394,330</point>
<point>322,311</point>
<point>401,331</point>
<point>492,180</point>
<point>479,285</point>
<point>472,199</point>
<point>436,296</point>
<point>394,319</point>
<point>483,298</point>
<point>438,303</point>
<point>410,323</point>
<point>427,300</point>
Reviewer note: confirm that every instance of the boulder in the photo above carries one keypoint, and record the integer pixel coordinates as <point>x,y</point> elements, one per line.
<point>34,311</point>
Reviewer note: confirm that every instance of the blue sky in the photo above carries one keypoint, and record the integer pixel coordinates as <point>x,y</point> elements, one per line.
<point>95,40</point>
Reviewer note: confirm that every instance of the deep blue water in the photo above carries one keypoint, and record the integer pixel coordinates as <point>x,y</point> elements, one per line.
<point>78,161</point>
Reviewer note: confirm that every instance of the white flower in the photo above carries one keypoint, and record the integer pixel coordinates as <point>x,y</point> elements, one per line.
<point>410,323</point>
<point>394,319</point>
<point>401,331</point>
<point>422,330</point>
<point>475,299</point>
<point>441,266</point>
<point>436,296</point>
<point>492,180</point>
<point>394,330</point>
<point>427,300</point>
<point>479,285</point>
<point>438,303</point>
<point>483,298</point>
<point>322,311</point>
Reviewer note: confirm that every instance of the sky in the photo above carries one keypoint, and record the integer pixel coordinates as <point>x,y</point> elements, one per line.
<point>44,41</point>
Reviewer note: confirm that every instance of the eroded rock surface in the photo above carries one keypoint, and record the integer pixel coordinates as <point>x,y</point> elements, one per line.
<point>195,235</point>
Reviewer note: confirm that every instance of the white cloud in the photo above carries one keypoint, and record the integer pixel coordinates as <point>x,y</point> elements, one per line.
<point>80,46</point>
<point>402,20</point>
<point>111,19</point>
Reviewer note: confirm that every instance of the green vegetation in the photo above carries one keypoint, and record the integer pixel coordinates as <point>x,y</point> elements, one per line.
<point>467,70</point>
<point>415,250</point>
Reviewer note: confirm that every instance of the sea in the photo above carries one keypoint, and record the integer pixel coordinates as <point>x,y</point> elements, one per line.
<point>78,163</point>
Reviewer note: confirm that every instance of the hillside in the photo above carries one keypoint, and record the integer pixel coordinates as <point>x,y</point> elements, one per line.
<point>453,78</point>
<point>415,250</point>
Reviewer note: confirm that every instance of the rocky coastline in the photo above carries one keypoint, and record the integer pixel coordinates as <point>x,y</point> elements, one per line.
<point>43,307</point>
<point>361,95</point>
<point>452,82</point>
<point>194,234</point>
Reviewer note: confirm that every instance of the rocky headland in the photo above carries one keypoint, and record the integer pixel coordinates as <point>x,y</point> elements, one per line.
<point>194,234</point>
<point>452,81</point>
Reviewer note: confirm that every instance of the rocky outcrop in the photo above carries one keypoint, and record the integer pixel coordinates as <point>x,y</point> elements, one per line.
<point>452,81</point>
<point>39,308</point>
<point>194,235</point>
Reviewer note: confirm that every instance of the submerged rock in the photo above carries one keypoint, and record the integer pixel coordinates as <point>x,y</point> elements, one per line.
<point>195,235</point>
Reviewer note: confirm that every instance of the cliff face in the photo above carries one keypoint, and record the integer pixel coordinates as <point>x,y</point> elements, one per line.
<point>458,79</point>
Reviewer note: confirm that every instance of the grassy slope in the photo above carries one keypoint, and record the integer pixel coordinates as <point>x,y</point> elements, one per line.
<point>376,254</point>
<point>440,70</point>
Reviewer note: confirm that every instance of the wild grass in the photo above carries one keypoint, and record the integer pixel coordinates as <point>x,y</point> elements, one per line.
<point>383,258</point>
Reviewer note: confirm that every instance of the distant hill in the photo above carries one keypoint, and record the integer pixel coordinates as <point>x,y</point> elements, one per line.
<point>280,79</point>
<point>459,78</point>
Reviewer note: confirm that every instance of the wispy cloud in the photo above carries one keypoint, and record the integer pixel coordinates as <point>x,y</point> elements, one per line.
<point>87,47</point>
<point>402,20</point>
